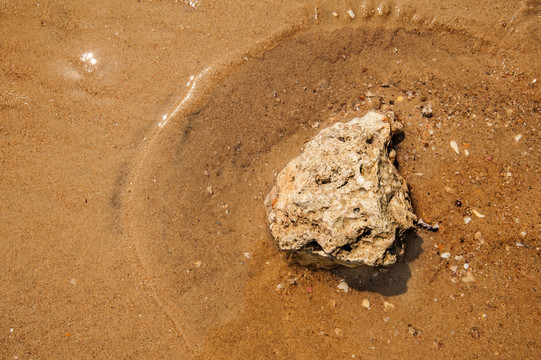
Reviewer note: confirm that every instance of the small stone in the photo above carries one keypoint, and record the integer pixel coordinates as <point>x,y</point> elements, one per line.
<point>475,332</point>
<point>343,286</point>
<point>426,111</point>
<point>366,304</point>
<point>209,190</point>
<point>73,281</point>
<point>445,255</point>
<point>198,263</point>
<point>453,268</point>
<point>523,234</point>
<point>518,137</point>
<point>247,255</point>
<point>413,331</point>
<point>388,306</point>
<point>467,220</point>
<point>351,14</point>
<point>338,332</point>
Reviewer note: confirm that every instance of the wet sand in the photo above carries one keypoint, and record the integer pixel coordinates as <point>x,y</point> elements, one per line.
<point>116,118</point>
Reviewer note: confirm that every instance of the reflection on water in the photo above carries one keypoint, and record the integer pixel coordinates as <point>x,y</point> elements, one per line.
<point>89,61</point>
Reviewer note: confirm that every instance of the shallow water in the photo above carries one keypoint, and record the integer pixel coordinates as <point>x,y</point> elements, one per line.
<point>115,247</point>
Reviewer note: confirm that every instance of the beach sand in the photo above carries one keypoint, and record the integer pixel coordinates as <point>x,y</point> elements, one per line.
<point>138,141</point>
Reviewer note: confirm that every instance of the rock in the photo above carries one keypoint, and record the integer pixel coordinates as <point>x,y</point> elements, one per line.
<point>342,201</point>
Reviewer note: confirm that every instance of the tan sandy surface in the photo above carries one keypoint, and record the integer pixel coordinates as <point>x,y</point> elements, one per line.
<point>116,118</point>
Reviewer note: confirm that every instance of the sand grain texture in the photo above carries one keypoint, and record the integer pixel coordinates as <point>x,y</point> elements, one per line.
<point>112,247</point>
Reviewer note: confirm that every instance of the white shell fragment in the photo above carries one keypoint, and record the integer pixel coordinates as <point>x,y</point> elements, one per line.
<point>342,201</point>
<point>366,304</point>
<point>454,146</point>
<point>343,286</point>
<point>476,213</point>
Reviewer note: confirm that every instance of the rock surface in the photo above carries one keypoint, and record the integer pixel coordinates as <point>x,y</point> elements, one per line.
<point>342,201</point>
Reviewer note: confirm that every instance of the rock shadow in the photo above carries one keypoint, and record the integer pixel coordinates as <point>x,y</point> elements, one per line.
<point>389,281</point>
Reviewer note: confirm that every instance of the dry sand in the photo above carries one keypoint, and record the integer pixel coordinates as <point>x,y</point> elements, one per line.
<point>116,117</point>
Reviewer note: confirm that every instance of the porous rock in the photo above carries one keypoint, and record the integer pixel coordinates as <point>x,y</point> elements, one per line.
<point>342,201</point>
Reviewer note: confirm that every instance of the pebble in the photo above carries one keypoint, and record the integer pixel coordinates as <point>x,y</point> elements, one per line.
<point>73,281</point>
<point>209,190</point>
<point>198,263</point>
<point>453,268</point>
<point>343,286</point>
<point>523,234</point>
<point>454,145</point>
<point>351,14</point>
<point>366,304</point>
<point>388,306</point>
<point>467,220</point>
<point>338,332</point>
<point>445,255</point>
<point>247,255</point>
<point>518,137</point>
<point>426,111</point>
